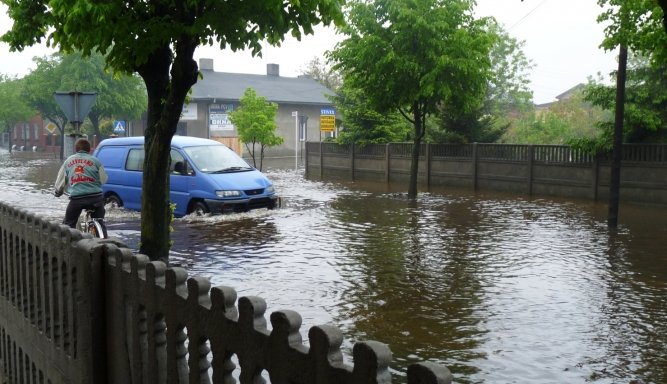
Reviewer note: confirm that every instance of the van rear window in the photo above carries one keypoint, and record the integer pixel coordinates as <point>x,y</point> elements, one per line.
<point>111,157</point>
<point>135,160</point>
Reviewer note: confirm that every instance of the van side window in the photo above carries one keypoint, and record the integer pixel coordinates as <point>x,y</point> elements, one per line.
<point>178,165</point>
<point>135,160</point>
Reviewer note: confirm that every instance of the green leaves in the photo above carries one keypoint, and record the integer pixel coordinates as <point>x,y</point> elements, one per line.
<point>645,100</point>
<point>118,95</point>
<point>255,122</point>
<point>413,57</point>
<point>640,24</point>
<point>406,52</point>
<point>13,108</point>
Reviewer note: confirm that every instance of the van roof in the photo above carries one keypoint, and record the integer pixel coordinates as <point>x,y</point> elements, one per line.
<point>176,141</point>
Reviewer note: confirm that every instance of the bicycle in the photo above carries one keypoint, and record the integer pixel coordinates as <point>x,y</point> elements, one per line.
<point>94,226</point>
<point>90,224</point>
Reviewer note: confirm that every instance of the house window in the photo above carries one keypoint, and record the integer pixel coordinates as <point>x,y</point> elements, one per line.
<point>182,128</point>
<point>303,128</point>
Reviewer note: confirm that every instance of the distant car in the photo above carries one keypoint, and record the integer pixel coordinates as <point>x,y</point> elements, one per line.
<point>205,176</point>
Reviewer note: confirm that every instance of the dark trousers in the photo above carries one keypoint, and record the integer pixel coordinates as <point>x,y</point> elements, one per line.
<point>78,204</point>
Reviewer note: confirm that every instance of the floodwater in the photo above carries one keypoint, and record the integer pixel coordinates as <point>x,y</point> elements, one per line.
<point>499,288</point>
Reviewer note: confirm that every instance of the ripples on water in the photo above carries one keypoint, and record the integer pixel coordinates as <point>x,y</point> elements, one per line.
<point>501,289</point>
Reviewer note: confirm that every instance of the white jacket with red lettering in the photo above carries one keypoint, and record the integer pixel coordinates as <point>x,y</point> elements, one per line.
<point>82,174</point>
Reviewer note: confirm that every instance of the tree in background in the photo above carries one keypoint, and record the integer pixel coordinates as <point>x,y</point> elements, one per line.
<point>255,122</point>
<point>323,74</point>
<point>566,121</point>
<point>411,56</point>
<point>38,89</point>
<point>118,96</point>
<point>361,124</point>
<point>645,31</point>
<point>645,118</point>
<point>507,96</point>
<point>13,108</point>
<point>157,39</point>
<point>645,34</point>
<point>358,122</point>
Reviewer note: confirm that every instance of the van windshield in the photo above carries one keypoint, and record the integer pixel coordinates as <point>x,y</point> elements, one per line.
<point>216,159</point>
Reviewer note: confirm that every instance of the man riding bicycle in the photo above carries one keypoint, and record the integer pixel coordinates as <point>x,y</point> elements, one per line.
<point>83,175</point>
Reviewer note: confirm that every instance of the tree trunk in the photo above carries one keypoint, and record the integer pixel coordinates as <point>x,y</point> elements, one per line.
<point>95,121</point>
<point>165,103</point>
<point>10,131</point>
<point>62,141</point>
<point>615,179</point>
<point>414,166</point>
<point>663,5</point>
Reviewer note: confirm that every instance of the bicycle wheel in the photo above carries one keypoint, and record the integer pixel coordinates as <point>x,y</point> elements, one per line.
<point>97,229</point>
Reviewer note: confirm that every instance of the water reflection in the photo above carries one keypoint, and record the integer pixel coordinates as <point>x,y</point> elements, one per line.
<point>397,268</point>
<point>499,288</point>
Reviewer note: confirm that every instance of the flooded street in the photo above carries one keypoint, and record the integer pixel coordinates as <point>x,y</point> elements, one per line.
<point>500,288</point>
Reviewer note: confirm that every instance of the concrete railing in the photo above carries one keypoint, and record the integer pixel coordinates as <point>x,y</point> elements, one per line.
<point>48,319</point>
<point>78,310</point>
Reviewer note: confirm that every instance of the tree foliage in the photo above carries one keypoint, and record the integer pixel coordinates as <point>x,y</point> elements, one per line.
<point>411,56</point>
<point>507,95</point>
<point>38,89</point>
<point>119,95</point>
<point>324,74</point>
<point>255,121</point>
<point>640,24</point>
<point>157,40</point>
<point>361,124</point>
<point>645,119</point>
<point>565,121</point>
<point>13,108</point>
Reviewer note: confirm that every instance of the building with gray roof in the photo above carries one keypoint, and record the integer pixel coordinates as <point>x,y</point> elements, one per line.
<point>302,101</point>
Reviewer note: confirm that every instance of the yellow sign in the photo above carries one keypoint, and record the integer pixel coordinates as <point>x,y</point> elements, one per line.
<point>50,127</point>
<point>327,123</point>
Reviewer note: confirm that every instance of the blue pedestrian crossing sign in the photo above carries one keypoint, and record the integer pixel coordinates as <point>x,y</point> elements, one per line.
<point>119,127</point>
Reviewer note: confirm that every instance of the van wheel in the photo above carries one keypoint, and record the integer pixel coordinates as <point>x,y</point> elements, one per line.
<point>114,201</point>
<point>199,208</point>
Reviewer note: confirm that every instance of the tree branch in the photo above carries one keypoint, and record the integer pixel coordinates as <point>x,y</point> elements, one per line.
<point>406,116</point>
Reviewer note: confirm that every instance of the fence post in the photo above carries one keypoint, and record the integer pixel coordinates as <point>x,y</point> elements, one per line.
<point>531,151</point>
<point>386,163</point>
<point>352,162</point>
<point>474,166</point>
<point>596,176</point>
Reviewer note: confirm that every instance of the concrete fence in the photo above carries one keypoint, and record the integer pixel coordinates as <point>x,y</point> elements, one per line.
<point>79,310</point>
<point>526,169</point>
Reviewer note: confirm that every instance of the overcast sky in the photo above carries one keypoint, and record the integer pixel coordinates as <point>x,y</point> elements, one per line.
<point>561,38</point>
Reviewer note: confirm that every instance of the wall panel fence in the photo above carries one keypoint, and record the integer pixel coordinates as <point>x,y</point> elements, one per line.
<point>554,170</point>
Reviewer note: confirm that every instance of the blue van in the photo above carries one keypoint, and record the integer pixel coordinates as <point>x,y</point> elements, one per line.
<point>205,176</point>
